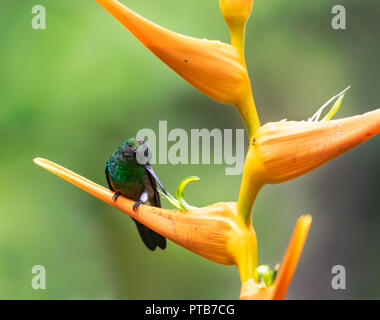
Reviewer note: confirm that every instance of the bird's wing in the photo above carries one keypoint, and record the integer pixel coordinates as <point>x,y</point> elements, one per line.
<point>159,240</point>
<point>157,199</point>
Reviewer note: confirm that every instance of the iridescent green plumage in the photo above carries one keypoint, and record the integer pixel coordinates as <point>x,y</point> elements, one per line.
<point>129,176</point>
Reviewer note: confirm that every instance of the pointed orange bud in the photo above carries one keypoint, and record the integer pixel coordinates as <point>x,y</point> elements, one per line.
<point>286,150</point>
<point>251,291</point>
<point>213,67</point>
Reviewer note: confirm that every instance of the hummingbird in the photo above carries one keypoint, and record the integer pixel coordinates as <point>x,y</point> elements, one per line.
<point>130,174</point>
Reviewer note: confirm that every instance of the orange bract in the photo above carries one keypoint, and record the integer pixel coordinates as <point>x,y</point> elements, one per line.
<point>287,149</point>
<point>213,67</point>
<point>205,231</point>
<point>290,149</point>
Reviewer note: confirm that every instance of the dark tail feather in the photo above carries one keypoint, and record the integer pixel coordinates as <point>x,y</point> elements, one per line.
<point>150,238</point>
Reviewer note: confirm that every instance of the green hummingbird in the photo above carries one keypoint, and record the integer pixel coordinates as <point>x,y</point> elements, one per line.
<point>130,174</point>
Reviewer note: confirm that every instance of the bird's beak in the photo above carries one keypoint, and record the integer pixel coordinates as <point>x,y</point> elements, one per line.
<point>149,168</point>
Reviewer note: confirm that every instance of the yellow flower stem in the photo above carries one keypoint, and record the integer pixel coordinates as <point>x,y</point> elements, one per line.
<point>251,184</point>
<point>249,189</point>
<point>248,112</point>
<point>247,109</point>
<point>238,41</point>
<point>245,249</point>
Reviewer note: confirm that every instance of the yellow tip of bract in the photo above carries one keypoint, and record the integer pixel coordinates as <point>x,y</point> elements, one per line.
<point>286,150</point>
<point>236,12</point>
<point>213,67</point>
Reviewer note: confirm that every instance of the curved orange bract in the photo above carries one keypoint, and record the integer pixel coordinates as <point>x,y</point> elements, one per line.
<point>213,67</point>
<point>205,231</point>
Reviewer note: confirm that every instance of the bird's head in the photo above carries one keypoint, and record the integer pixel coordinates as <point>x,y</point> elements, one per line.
<point>137,151</point>
<point>133,150</point>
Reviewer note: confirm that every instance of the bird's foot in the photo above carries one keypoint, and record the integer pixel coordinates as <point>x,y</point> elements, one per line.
<point>115,196</point>
<point>136,205</point>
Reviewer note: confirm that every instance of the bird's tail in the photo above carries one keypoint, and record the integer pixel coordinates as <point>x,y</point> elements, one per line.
<point>151,238</point>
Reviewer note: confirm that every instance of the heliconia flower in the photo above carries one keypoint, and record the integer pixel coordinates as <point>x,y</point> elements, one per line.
<point>236,14</point>
<point>215,232</point>
<point>213,67</point>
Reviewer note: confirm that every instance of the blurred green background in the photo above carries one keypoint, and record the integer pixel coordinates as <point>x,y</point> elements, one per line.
<point>74,92</point>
